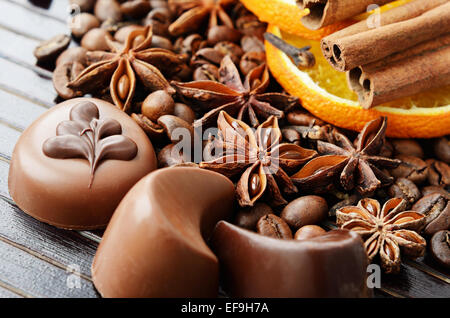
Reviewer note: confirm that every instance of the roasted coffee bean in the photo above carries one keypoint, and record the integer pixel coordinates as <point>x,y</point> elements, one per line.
<point>122,34</point>
<point>436,208</point>
<point>135,9</point>
<point>189,45</point>
<point>84,5</point>
<point>184,75</point>
<point>170,156</point>
<point>251,43</point>
<point>231,49</point>
<point>206,55</point>
<point>108,10</point>
<point>435,189</point>
<point>307,210</point>
<point>159,19</point>
<point>440,248</point>
<point>157,104</point>
<point>161,42</point>
<point>82,23</point>
<point>405,189</point>
<point>441,149</point>
<point>250,25</point>
<point>49,50</point>
<point>438,173</point>
<point>73,54</point>
<point>184,112</point>
<point>412,168</point>
<point>308,232</point>
<point>206,72</point>
<point>273,226</point>
<point>248,218</point>
<point>95,40</point>
<point>250,60</point>
<point>408,147</point>
<point>176,128</point>
<point>62,75</point>
<point>303,118</point>
<point>219,33</point>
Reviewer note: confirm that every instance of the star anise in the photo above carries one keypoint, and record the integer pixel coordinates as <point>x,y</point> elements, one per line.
<point>258,156</point>
<point>358,164</point>
<point>120,67</point>
<point>386,230</point>
<point>245,100</point>
<point>191,14</point>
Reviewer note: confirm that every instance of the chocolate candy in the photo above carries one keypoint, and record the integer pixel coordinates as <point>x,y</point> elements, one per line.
<point>75,163</point>
<point>331,265</point>
<point>155,245</point>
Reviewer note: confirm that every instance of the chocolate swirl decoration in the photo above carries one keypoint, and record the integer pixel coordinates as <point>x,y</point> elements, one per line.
<point>86,136</point>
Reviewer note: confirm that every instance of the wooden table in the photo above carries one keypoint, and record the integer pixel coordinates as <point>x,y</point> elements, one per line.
<point>38,260</point>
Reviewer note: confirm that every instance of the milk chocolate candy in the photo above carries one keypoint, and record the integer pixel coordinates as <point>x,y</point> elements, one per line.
<point>252,265</point>
<point>155,245</point>
<point>75,163</point>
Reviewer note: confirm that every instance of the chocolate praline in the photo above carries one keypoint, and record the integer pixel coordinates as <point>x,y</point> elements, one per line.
<point>155,244</point>
<point>75,163</point>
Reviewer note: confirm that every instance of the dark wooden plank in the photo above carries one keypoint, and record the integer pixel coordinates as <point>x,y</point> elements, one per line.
<point>26,82</point>
<point>56,9</point>
<point>412,282</point>
<point>8,138</point>
<point>18,112</point>
<point>29,23</point>
<point>37,277</point>
<point>18,46</point>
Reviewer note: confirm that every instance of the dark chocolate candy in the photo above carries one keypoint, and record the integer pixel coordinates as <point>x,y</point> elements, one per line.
<point>155,245</point>
<point>252,265</point>
<point>75,163</point>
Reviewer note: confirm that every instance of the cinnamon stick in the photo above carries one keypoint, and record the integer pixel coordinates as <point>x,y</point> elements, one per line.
<point>420,68</point>
<point>405,12</point>
<point>375,44</point>
<point>326,12</point>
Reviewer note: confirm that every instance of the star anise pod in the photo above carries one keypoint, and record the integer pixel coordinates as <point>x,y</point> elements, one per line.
<point>247,101</point>
<point>386,231</point>
<point>358,165</point>
<point>120,67</point>
<point>258,156</point>
<point>192,13</point>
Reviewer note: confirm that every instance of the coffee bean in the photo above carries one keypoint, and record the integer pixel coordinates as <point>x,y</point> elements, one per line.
<point>157,104</point>
<point>309,231</point>
<point>435,189</point>
<point>159,19</point>
<point>206,72</point>
<point>436,209</point>
<point>122,34</point>
<point>441,149</point>
<point>438,173</point>
<point>440,248</point>
<point>219,33</point>
<point>170,156</point>
<point>291,135</point>
<point>82,23</point>
<point>108,10</point>
<point>408,147</point>
<point>249,217</point>
<point>73,54</point>
<point>411,168</point>
<point>135,9</point>
<point>95,40</point>
<point>231,49</point>
<point>49,50</point>
<point>310,209</point>
<point>184,112</point>
<point>250,60</point>
<point>405,189</point>
<point>62,75</point>
<point>84,5</point>
<point>251,43</point>
<point>161,42</point>
<point>273,226</point>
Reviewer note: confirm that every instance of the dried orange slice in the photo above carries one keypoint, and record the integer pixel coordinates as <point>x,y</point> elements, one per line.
<point>287,15</point>
<point>324,92</point>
